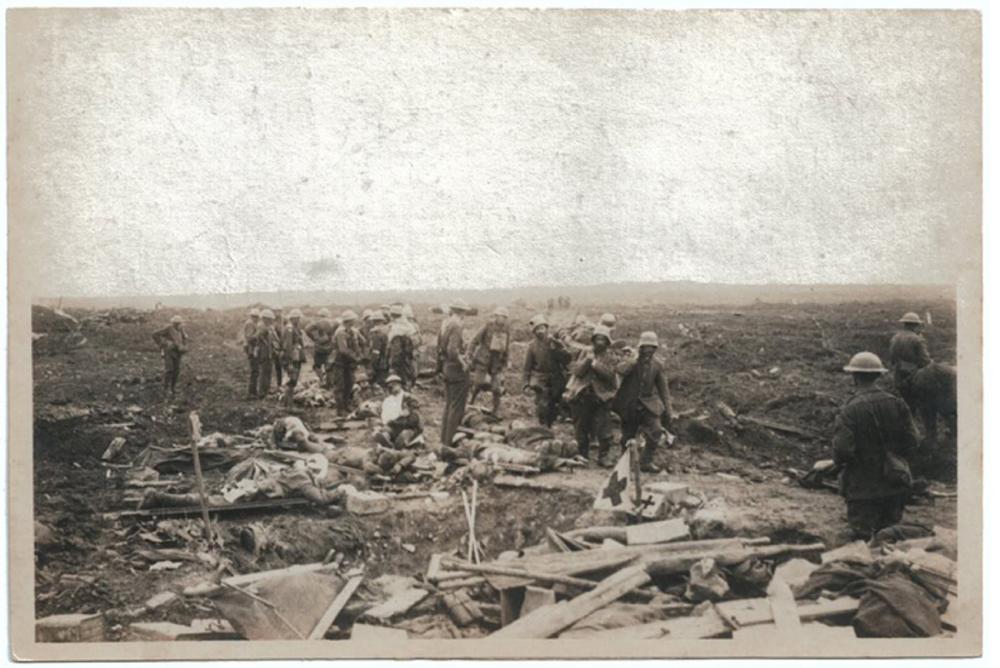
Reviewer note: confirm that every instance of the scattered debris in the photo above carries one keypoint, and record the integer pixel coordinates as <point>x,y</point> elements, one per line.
<point>70,628</point>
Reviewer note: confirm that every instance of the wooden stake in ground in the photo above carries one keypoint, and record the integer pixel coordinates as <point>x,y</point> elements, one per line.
<point>199,480</point>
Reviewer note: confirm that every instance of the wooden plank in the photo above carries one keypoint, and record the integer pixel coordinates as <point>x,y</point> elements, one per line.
<point>657,532</point>
<point>669,564</point>
<point>511,601</point>
<point>743,613</point>
<point>559,563</point>
<point>549,620</point>
<point>250,578</point>
<point>536,597</point>
<point>397,605</point>
<point>270,504</point>
<point>379,635</point>
<point>783,608</point>
<point>496,568</point>
<point>338,603</point>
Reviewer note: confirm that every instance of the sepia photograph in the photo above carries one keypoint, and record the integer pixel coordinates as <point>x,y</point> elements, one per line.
<point>494,333</point>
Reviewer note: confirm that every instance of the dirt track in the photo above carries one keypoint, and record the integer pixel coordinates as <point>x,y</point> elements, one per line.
<point>779,362</point>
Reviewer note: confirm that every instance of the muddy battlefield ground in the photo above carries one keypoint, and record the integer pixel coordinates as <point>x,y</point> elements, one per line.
<point>777,363</point>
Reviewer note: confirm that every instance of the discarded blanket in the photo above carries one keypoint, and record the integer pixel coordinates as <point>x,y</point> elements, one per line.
<point>839,578</point>
<point>895,607</point>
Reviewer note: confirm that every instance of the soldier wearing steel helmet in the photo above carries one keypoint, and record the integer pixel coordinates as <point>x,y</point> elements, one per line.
<point>277,354</point>
<point>873,433</point>
<point>590,391</point>
<point>401,345</point>
<point>267,339</point>
<point>490,351</point>
<point>348,353</point>
<point>643,400</point>
<point>320,332</point>
<point>545,364</point>
<point>378,347</point>
<point>293,351</point>
<point>173,342</point>
<point>249,336</point>
<point>907,355</point>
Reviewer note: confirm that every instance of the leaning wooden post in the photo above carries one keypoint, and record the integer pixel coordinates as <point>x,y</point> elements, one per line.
<point>633,461</point>
<point>199,480</point>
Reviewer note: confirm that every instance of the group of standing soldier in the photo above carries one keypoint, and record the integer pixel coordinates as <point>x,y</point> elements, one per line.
<point>272,343</point>
<point>340,348</point>
<point>575,371</point>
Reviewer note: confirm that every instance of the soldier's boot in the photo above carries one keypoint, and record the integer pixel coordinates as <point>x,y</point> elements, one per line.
<point>496,403</point>
<point>648,452</point>
<point>602,454</point>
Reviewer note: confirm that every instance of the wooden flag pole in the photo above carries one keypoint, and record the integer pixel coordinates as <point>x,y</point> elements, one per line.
<point>633,457</point>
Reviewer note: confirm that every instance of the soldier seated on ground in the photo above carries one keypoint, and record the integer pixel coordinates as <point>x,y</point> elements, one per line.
<point>400,416</point>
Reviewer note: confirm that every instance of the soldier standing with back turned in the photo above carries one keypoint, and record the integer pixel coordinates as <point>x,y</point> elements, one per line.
<point>907,355</point>
<point>347,351</point>
<point>293,354</point>
<point>873,433</point>
<point>490,351</point>
<point>249,336</point>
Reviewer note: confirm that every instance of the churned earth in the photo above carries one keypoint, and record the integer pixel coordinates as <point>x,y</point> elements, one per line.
<point>780,363</point>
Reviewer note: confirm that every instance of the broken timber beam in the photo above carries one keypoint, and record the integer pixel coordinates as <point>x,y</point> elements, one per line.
<point>746,612</point>
<point>780,427</point>
<point>681,562</point>
<point>549,620</point>
<point>270,504</point>
<point>330,616</point>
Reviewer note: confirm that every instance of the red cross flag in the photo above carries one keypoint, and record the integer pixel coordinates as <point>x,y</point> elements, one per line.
<point>618,493</point>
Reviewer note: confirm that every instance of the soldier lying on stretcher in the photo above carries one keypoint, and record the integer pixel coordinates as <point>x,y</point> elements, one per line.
<point>307,478</point>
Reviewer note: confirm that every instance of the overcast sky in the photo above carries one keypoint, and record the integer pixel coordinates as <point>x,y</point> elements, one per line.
<point>172,152</point>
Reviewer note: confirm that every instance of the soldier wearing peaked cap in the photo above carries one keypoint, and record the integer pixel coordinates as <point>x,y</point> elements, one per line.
<point>873,434</point>
<point>249,334</point>
<point>907,355</point>
<point>173,343</point>
<point>456,372</point>
<point>643,400</point>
